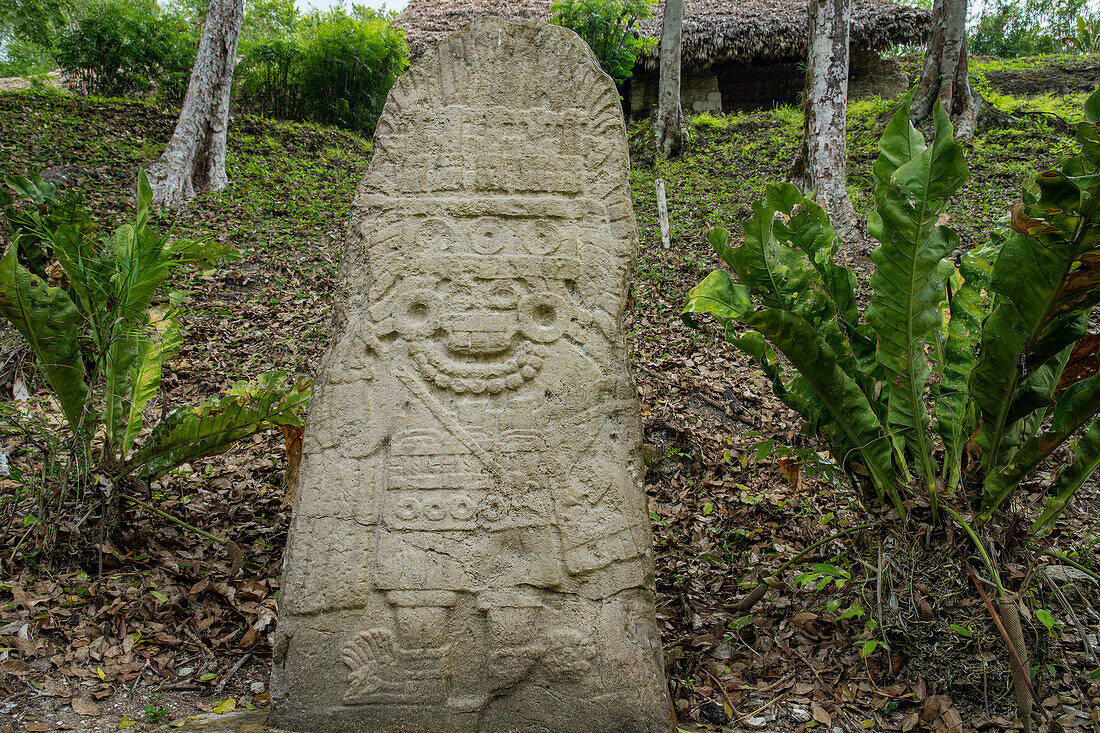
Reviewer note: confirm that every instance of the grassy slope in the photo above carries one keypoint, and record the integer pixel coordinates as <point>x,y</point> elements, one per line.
<point>720,514</point>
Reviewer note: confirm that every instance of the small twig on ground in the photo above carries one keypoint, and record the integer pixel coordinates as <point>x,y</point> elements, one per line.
<point>778,683</point>
<point>725,695</point>
<point>806,661</point>
<point>236,667</point>
<point>174,520</point>
<point>878,603</point>
<point>1058,121</point>
<point>761,588</point>
<point>182,687</point>
<point>760,709</point>
<point>202,646</point>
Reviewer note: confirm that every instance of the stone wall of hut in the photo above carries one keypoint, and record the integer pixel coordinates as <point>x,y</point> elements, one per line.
<point>735,87</point>
<point>698,93</point>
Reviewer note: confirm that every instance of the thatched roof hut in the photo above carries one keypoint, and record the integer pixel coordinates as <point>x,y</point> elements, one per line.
<point>715,31</point>
<point>737,54</point>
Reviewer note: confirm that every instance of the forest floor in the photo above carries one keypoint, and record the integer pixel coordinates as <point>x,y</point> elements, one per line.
<point>171,625</point>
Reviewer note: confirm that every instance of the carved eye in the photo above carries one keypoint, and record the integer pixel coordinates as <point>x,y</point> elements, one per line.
<point>460,295</point>
<point>543,317</point>
<point>463,508</point>
<point>417,313</point>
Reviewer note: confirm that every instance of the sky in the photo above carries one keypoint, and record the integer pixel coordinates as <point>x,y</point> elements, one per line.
<point>326,4</point>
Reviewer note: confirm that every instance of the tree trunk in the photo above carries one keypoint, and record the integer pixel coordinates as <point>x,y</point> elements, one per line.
<point>670,116</point>
<point>821,165</point>
<point>194,160</point>
<point>944,74</point>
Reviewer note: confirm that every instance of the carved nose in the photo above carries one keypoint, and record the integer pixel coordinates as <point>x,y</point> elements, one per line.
<point>481,333</point>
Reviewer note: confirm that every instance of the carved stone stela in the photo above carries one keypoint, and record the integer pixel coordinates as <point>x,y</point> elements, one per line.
<point>471,550</point>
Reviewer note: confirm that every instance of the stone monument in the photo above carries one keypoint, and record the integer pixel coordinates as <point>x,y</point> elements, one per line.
<point>471,550</point>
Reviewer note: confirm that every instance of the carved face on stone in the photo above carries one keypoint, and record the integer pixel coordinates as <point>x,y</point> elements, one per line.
<point>496,296</point>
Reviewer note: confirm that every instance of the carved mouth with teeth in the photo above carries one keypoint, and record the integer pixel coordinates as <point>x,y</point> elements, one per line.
<point>488,335</point>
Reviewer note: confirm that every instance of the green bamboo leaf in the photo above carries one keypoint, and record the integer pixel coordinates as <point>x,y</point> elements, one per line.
<point>753,344</point>
<point>780,276</point>
<point>25,224</point>
<point>719,296</point>
<point>908,284</point>
<point>787,262</point>
<point>719,239</point>
<point>900,143</point>
<point>1045,281</point>
<point>1092,108</point>
<point>953,412</point>
<point>88,273</point>
<point>50,322</point>
<point>189,433</point>
<point>141,264</point>
<point>850,416</point>
<point>1076,406</point>
<point>802,224</point>
<point>145,375</point>
<point>33,189</point>
<point>1086,460</point>
<point>727,301</point>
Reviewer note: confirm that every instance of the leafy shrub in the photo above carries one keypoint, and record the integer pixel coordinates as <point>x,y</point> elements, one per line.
<point>267,78</point>
<point>102,336</point>
<point>123,50</point>
<point>35,21</point>
<point>1012,376</point>
<point>1087,36</point>
<point>28,34</point>
<point>607,27</point>
<point>268,19</point>
<point>1008,28</point>
<point>335,69</point>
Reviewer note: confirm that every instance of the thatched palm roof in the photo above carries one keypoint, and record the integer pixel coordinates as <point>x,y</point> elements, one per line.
<point>715,31</point>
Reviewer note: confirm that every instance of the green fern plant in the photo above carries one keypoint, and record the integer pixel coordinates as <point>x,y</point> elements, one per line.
<point>959,379</point>
<point>102,337</point>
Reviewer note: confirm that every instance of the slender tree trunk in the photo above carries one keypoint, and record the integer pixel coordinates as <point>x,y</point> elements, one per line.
<point>944,74</point>
<point>821,165</point>
<point>670,116</point>
<point>194,160</point>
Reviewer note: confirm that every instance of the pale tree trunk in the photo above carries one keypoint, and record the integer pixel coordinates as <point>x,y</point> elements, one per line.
<point>194,160</point>
<point>670,116</point>
<point>944,74</point>
<point>821,165</point>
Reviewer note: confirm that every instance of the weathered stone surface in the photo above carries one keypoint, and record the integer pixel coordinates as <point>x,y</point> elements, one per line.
<point>470,550</point>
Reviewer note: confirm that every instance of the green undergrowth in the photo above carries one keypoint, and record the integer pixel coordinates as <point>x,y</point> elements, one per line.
<point>1068,107</point>
<point>285,177</point>
<point>982,64</point>
<point>729,160</point>
<point>292,184</point>
<point>289,198</point>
